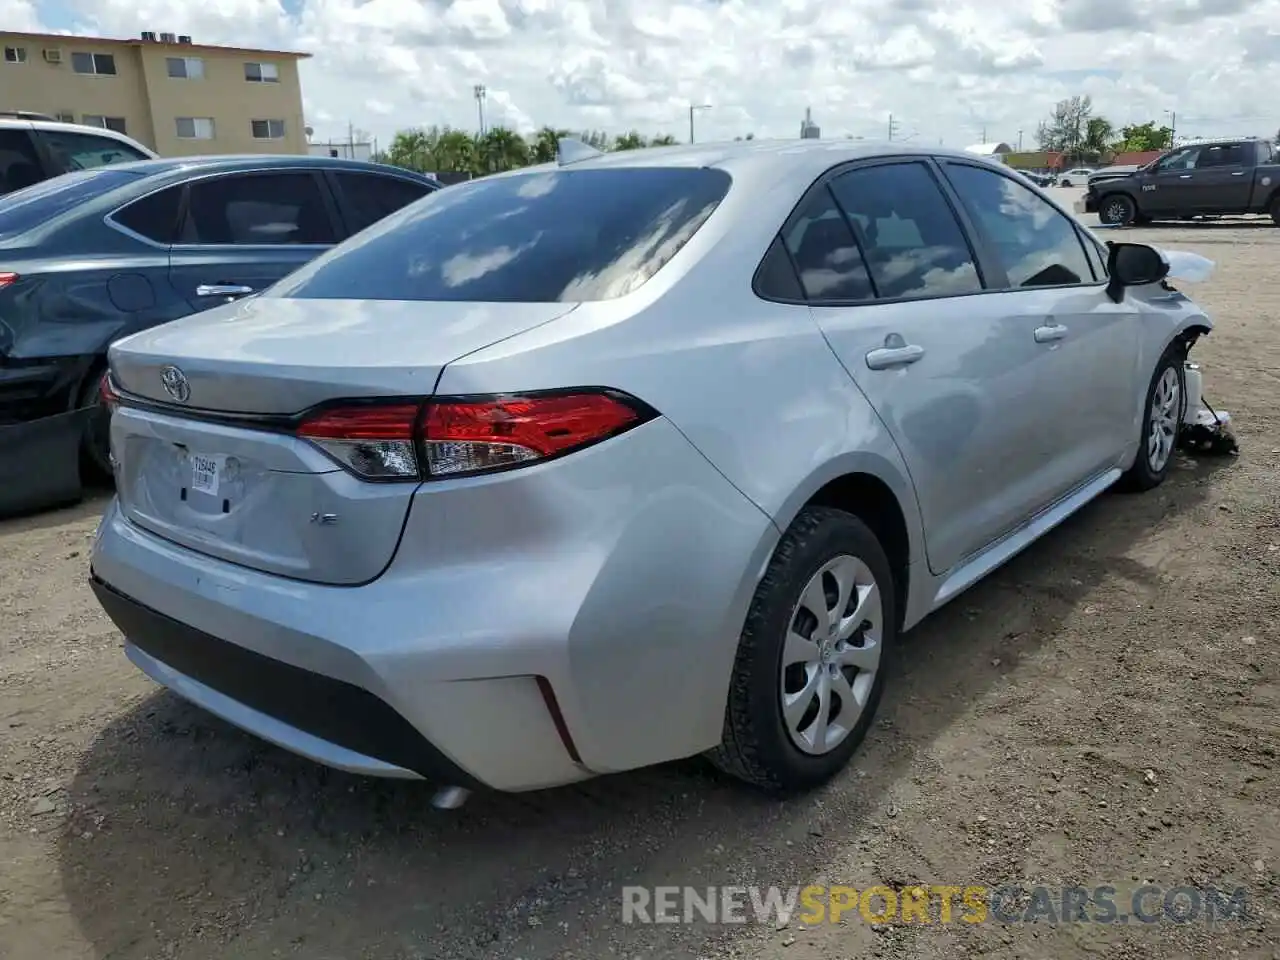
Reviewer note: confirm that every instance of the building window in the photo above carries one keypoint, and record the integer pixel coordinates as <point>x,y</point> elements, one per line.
<point>15,54</point>
<point>95,64</point>
<point>261,73</point>
<point>185,68</point>
<point>66,116</point>
<point>106,123</point>
<point>268,129</point>
<point>195,128</point>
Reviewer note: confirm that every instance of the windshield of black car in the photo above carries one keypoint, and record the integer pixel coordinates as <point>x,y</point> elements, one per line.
<point>539,237</point>
<point>32,206</point>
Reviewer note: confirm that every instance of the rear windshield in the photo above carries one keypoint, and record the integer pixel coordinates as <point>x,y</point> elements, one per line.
<point>31,206</point>
<point>563,235</point>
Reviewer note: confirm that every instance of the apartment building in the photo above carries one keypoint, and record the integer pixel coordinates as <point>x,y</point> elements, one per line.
<point>178,97</point>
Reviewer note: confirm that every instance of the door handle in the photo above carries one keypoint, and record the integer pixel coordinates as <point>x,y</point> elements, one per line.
<point>1238,173</point>
<point>222,290</point>
<point>1050,332</point>
<point>885,357</point>
<point>1184,176</point>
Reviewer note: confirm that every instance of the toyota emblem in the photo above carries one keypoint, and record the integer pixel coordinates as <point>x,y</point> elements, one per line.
<point>175,384</point>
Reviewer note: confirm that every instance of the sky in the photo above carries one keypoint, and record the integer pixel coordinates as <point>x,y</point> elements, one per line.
<point>958,72</point>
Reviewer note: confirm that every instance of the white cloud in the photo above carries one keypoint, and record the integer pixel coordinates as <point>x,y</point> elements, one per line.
<point>946,69</point>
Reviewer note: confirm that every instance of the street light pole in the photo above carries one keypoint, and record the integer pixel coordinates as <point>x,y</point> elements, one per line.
<point>1173,126</point>
<point>693,108</point>
<point>480,92</point>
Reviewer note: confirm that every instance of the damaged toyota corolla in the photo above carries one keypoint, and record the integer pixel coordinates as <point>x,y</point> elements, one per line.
<point>627,458</point>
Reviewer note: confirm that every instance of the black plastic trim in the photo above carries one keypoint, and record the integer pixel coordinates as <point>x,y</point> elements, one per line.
<point>333,710</point>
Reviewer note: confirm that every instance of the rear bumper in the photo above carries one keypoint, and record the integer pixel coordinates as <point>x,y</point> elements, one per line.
<point>40,462</point>
<point>535,628</point>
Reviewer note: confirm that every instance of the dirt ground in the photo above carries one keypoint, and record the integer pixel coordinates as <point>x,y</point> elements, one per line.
<point>1104,710</point>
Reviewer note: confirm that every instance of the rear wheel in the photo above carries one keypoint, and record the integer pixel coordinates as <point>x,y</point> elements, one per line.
<point>810,665</point>
<point>95,447</point>
<point>1161,423</point>
<point>1117,210</point>
<point>1273,208</point>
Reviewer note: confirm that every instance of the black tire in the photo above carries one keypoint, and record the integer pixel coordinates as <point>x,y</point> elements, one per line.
<point>756,746</point>
<point>1142,476</point>
<point>95,446</point>
<point>1117,210</point>
<point>1273,208</point>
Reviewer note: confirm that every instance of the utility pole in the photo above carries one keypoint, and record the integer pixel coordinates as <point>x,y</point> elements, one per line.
<point>351,140</point>
<point>893,127</point>
<point>694,108</point>
<point>1019,141</point>
<point>984,133</point>
<point>480,93</point>
<point>1173,126</point>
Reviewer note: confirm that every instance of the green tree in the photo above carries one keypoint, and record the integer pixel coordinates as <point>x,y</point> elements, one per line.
<point>1142,137</point>
<point>545,145</point>
<point>1065,130</point>
<point>630,141</point>
<point>1099,137</point>
<point>664,140</point>
<point>501,149</point>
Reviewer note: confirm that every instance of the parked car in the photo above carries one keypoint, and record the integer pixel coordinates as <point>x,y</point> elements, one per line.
<point>1039,179</point>
<point>593,465</point>
<point>1075,177</point>
<point>1214,178</point>
<point>94,255</point>
<point>32,149</point>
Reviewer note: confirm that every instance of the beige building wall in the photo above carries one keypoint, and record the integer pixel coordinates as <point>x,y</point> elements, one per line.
<point>151,102</point>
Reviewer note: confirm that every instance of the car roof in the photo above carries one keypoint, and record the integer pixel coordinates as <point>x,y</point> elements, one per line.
<point>229,163</point>
<point>802,159</point>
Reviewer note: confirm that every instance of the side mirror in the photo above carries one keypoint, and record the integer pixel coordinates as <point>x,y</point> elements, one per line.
<point>1133,265</point>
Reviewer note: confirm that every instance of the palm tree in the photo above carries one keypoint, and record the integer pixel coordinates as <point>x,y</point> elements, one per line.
<point>455,152</point>
<point>546,145</point>
<point>1099,137</point>
<point>501,149</point>
<point>630,141</point>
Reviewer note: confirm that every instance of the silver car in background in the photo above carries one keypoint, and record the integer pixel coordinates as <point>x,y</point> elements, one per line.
<point>627,458</point>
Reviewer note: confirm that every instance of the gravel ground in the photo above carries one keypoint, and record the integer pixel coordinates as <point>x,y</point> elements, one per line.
<point>1104,710</point>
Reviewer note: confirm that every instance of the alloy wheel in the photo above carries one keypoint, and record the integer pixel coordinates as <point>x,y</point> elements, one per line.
<point>831,654</point>
<point>1162,428</point>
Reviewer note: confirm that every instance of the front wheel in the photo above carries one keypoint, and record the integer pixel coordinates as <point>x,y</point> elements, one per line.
<point>1117,210</point>
<point>810,665</point>
<point>1161,423</point>
<point>1273,208</point>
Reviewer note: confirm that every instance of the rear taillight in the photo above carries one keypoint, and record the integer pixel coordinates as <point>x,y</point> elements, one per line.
<point>373,441</point>
<point>107,392</point>
<point>463,436</point>
<point>7,278</point>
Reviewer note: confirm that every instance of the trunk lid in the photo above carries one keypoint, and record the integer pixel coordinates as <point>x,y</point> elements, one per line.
<point>263,498</point>
<point>275,356</point>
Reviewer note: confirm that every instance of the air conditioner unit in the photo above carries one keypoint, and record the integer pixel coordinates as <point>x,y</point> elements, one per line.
<point>149,36</point>
<point>184,38</point>
<point>168,38</point>
<point>52,54</point>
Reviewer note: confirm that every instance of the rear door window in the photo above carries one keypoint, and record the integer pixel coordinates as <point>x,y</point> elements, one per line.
<point>23,210</point>
<point>563,235</point>
<point>154,217</point>
<point>19,162</point>
<point>83,151</point>
<point>258,209</point>
<point>369,197</point>
<point>914,244</point>
<point>826,254</point>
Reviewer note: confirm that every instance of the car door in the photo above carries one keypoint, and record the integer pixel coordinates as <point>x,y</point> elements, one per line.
<point>1170,187</point>
<point>898,292</point>
<point>241,232</point>
<point>20,163</point>
<point>1222,182</point>
<point>365,198</point>
<point>71,150</point>
<point>1055,293</point>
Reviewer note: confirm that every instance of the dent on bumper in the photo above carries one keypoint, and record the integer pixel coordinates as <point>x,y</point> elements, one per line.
<point>616,579</point>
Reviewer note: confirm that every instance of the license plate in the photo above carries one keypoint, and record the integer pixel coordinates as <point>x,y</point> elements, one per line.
<point>206,473</point>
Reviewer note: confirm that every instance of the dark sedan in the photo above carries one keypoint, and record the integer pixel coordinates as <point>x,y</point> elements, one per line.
<point>95,255</point>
